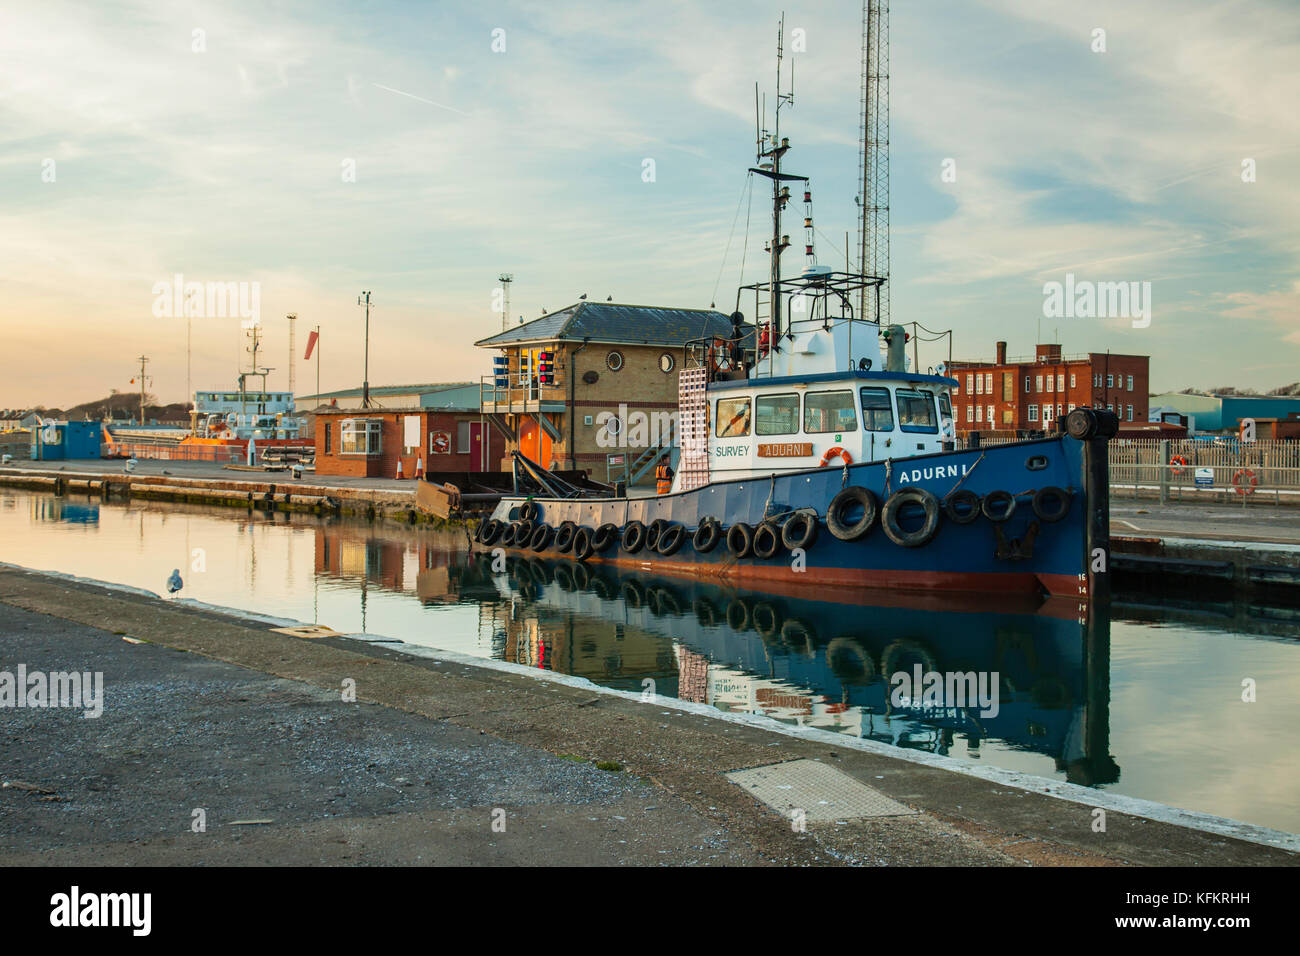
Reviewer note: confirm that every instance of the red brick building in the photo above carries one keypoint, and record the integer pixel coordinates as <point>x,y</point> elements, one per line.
<point>1026,394</point>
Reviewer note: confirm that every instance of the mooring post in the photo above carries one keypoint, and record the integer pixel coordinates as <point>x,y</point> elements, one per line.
<point>1096,478</point>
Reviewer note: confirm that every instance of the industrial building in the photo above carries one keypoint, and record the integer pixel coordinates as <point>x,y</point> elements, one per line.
<point>593,387</point>
<point>1028,393</point>
<point>434,428</point>
<point>1224,413</point>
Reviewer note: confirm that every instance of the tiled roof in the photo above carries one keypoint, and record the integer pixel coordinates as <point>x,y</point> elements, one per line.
<point>615,323</point>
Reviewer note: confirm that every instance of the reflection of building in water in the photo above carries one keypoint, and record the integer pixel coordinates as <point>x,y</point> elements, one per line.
<point>692,675</point>
<point>411,561</point>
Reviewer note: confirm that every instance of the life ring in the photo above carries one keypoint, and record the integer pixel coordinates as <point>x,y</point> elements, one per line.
<point>841,506</point>
<point>707,535</point>
<point>832,452</point>
<point>999,506</point>
<point>582,548</point>
<point>1246,487</point>
<point>800,530</point>
<point>766,541</point>
<point>633,537</point>
<point>962,497</point>
<point>564,537</point>
<point>890,514</point>
<point>541,538</point>
<point>605,535</point>
<point>671,539</point>
<point>740,539</point>
<point>1049,493</point>
<point>1177,465</point>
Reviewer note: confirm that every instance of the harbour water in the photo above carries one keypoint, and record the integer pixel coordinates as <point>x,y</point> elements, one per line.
<point>1145,700</point>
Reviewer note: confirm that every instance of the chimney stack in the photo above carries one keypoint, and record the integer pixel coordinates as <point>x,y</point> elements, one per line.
<point>1002,353</point>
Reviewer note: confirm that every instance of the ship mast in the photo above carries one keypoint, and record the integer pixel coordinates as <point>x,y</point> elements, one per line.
<point>770,150</point>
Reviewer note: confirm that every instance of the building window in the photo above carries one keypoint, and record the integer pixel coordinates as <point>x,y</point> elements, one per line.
<point>1047,413</point>
<point>1049,383</point>
<point>666,363</point>
<point>878,410</point>
<point>1110,407</point>
<point>829,412</point>
<point>328,443</point>
<point>1130,383</point>
<point>360,436</point>
<point>1033,413</point>
<point>970,383</point>
<point>1072,383</point>
<point>979,384</point>
<point>733,417</point>
<point>776,415</point>
<point>1026,384</point>
<point>1038,383</point>
<point>979,413</point>
<point>614,361</point>
<point>1110,381</point>
<point>1006,416</point>
<point>1130,413</point>
<point>970,413</point>
<point>991,418</point>
<point>1071,407</point>
<point>988,383</point>
<point>462,438</point>
<point>1060,382</point>
<point>1008,387</point>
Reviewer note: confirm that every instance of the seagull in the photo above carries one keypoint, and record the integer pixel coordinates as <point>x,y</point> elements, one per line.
<point>166,472</point>
<point>174,583</point>
<point>583,296</point>
<point>609,298</point>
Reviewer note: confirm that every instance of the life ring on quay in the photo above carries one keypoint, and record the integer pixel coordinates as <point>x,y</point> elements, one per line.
<point>1177,465</point>
<point>1246,487</point>
<point>832,452</point>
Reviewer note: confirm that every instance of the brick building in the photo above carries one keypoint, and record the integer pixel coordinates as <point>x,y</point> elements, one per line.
<point>613,400</point>
<point>439,426</point>
<point>1025,394</point>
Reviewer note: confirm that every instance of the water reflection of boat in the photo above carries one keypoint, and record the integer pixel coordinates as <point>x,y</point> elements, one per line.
<point>828,664</point>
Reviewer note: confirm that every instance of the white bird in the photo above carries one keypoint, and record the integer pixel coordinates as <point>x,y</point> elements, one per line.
<point>174,583</point>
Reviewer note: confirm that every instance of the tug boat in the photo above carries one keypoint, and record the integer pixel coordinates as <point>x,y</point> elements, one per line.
<point>812,456</point>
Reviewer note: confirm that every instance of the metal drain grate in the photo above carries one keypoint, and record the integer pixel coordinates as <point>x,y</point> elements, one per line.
<point>823,793</point>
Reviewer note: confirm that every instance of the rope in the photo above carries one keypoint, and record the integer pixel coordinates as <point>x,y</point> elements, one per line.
<point>749,181</point>
<point>963,478</point>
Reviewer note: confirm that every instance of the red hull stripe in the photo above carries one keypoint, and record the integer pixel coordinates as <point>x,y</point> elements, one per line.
<point>1065,585</point>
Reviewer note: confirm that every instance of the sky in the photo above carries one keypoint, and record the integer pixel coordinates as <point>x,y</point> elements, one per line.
<point>418,150</point>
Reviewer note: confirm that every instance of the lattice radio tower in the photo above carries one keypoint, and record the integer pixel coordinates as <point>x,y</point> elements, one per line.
<point>873,168</point>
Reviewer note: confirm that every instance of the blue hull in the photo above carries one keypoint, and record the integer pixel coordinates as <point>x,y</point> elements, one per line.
<point>1025,553</point>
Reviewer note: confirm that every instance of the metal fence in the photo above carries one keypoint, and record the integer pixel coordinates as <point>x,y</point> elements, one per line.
<point>221,454</point>
<point>1190,468</point>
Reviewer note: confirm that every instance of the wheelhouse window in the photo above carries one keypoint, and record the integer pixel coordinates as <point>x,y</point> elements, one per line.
<point>916,411</point>
<point>877,410</point>
<point>733,417</point>
<point>829,412</point>
<point>360,436</point>
<point>776,414</point>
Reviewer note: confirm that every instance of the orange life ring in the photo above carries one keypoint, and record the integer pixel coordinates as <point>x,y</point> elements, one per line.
<point>832,452</point>
<point>1248,488</point>
<point>1177,464</point>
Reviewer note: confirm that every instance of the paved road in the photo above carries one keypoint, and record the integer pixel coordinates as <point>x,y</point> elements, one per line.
<point>1262,523</point>
<point>250,725</point>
